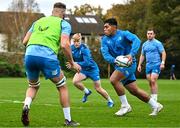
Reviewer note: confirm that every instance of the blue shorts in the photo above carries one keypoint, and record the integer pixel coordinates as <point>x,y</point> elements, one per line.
<point>34,64</point>
<point>154,69</point>
<point>93,74</point>
<point>128,72</point>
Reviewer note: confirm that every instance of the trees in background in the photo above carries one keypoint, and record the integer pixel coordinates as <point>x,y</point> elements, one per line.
<point>17,21</point>
<point>86,9</point>
<point>162,15</point>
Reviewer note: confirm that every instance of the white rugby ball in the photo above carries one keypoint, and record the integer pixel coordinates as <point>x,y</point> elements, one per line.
<point>122,61</point>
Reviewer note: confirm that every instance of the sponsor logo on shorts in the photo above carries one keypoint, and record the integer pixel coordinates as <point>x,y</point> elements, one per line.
<point>126,72</point>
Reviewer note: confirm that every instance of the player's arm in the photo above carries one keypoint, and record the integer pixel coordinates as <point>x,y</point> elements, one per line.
<point>65,45</point>
<point>135,42</point>
<point>26,38</point>
<point>28,35</point>
<point>163,54</point>
<point>105,52</point>
<point>141,59</point>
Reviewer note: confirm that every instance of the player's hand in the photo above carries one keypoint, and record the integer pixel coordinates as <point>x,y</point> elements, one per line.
<point>76,66</point>
<point>68,65</point>
<point>162,66</point>
<point>129,57</point>
<point>139,68</point>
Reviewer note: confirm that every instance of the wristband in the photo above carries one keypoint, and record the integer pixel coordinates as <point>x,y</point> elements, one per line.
<point>162,62</point>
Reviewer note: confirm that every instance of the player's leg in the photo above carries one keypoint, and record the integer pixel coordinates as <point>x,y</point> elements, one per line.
<point>136,91</point>
<point>103,92</point>
<point>148,77</point>
<point>155,71</point>
<point>154,86</point>
<point>152,75</point>
<point>60,82</point>
<point>52,71</point>
<point>143,96</point>
<point>171,76</point>
<point>77,81</point>
<point>32,73</point>
<point>174,77</point>
<point>115,79</point>
<point>30,95</point>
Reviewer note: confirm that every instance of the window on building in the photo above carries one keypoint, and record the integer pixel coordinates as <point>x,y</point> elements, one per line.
<point>80,20</point>
<point>93,20</point>
<point>67,18</point>
<point>86,20</point>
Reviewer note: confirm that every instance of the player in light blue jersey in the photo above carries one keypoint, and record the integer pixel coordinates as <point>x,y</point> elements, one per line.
<point>116,42</point>
<point>155,55</point>
<point>82,56</point>
<point>42,43</point>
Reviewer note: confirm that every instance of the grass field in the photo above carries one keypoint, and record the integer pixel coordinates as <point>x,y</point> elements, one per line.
<point>46,112</point>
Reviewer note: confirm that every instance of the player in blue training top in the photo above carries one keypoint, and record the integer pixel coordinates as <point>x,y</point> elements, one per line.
<point>116,42</point>
<point>42,43</point>
<point>155,55</point>
<point>82,56</point>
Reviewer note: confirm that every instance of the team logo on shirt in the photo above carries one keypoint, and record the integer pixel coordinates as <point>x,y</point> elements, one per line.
<point>156,71</point>
<point>108,41</point>
<point>43,28</point>
<point>54,72</point>
<point>120,38</point>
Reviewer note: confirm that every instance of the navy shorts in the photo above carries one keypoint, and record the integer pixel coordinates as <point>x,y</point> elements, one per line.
<point>93,74</point>
<point>34,65</point>
<point>154,69</point>
<point>128,72</point>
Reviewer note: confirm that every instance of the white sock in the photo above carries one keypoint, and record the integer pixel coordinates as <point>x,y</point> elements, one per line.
<point>67,114</point>
<point>27,101</point>
<point>123,100</point>
<point>154,96</point>
<point>153,103</point>
<point>86,90</point>
<point>109,99</point>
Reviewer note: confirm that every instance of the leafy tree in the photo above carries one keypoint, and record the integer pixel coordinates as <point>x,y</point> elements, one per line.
<point>21,15</point>
<point>24,6</point>
<point>86,9</point>
<point>139,15</point>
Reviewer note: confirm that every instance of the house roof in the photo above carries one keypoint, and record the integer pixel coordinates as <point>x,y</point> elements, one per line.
<point>86,25</point>
<point>10,17</point>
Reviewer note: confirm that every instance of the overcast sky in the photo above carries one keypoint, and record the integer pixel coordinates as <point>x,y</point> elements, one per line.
<point>46,5</point>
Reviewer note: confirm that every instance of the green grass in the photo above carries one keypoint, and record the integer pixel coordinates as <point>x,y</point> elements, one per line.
<point>46,111</point>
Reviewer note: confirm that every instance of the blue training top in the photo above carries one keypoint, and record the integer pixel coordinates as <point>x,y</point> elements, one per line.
<point>122,43</point>
<point>42,51</point>
<point>83,57</point>
<point>152,50</point>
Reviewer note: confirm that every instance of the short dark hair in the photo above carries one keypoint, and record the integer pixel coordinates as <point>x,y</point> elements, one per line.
<point>151,29</point>
<point>59,5</point>
<point>111,21</point>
